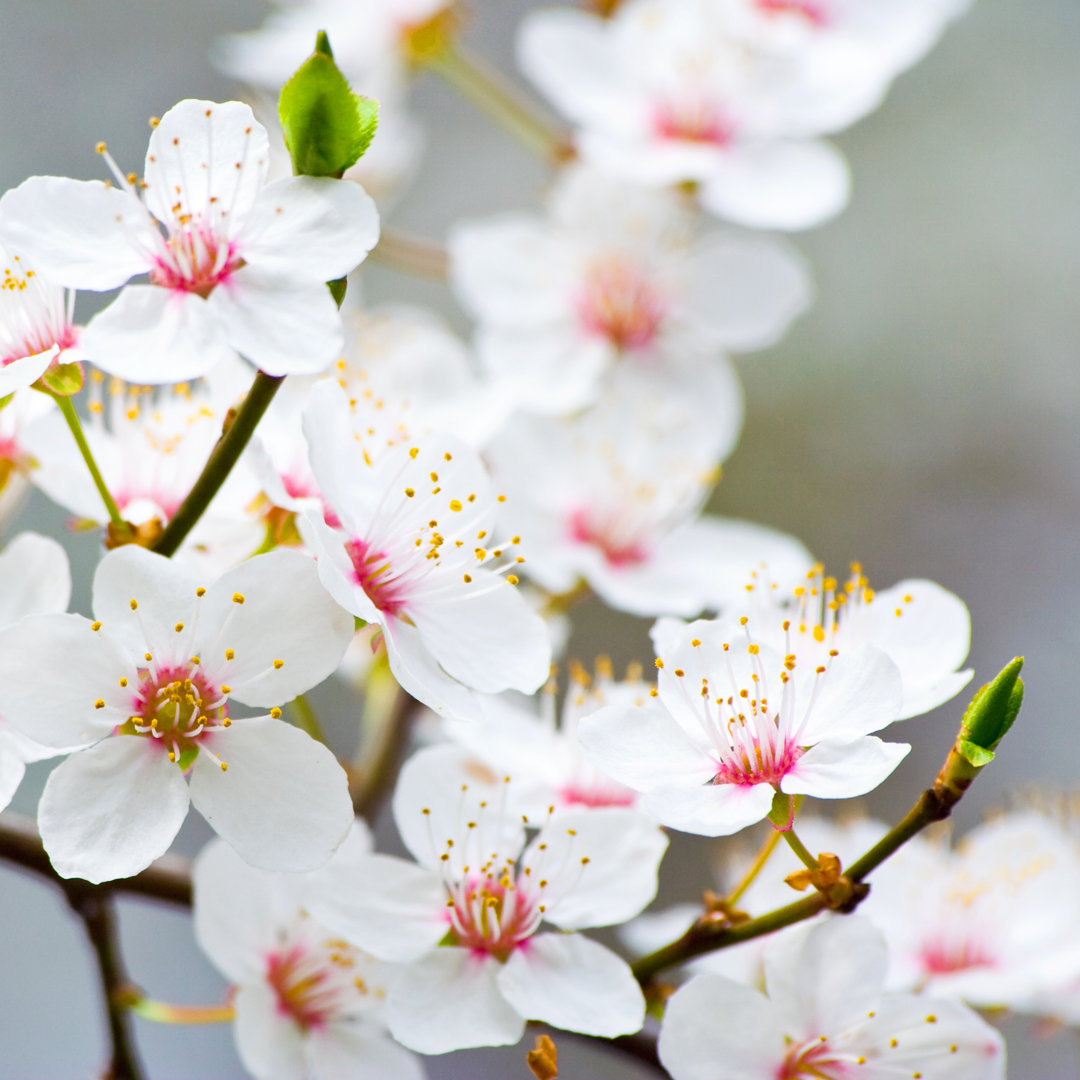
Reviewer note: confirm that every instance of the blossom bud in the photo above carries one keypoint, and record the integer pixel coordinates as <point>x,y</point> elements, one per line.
<point>327,127</point>
<point>990,714</point>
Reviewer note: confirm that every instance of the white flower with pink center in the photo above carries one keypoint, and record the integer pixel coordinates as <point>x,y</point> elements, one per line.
<point>415,552</point>
<point>24,410</point>
<point>734,722</point>
<point>37,325</point>
<point>825,1018</point>
<point>34,579</point>
<point>307,1003</point>
<point>614,274</point>
<point>611,496</point>
<point>145,693</point>
<point>236,265</point>
<point>670,91</point>
<point>467,919</point>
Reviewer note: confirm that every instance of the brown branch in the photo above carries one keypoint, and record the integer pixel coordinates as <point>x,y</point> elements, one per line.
<point>167,878</point>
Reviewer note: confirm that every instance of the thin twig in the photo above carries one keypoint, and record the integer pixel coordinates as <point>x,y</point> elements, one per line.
<point>94,907</point>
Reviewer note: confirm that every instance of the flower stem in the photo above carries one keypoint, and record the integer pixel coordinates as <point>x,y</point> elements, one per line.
<point>223,457</point>
<point>160,1012</point>
<point>500,99</point>
<point>67,410</point>
<point>801,853</point>
<point>755,868</point>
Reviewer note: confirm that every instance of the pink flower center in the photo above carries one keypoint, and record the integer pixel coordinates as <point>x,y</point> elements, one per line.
<point>618,551</point>
<point>756,757</point>
<point>195,260</point>
<point>693,121</point>
<point>812,12</point>
<point>314,983</point>
<point>492,915</point>
<point>945,956</point>
<point>814,1061</point>
<point>175,706</point>
<point>620,304</point>
<point>598,794</point>
<point>33,315</point>
<point>376,577</point>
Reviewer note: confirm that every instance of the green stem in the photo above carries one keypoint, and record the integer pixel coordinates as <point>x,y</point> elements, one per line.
<point>755,868</point>
<point>305,719</point>
<point>500,99</point>
<point>67,410</point>
<point>800,850</point>
<point>218,466</point>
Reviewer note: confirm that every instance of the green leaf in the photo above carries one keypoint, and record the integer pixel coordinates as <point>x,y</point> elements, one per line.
<point>993,709</point>
<point>974,755</point>
<point>65,380</point>
<point>327,127</point>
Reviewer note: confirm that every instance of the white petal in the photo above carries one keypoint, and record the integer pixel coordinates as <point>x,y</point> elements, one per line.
<point>203,150</point>
<point>53,671</point>
<point>19,374</point>
<point>748,1041</point>
<point>391,908</point>
<point>306,228</point>
<point>451,1000</point>
<point>709,809</point>
<point>80,234</point>
<point>643,747</point>
<point>354,1050</point>
<point>109,811</point>
<point>284,801</point>
<point>270,1044</point>
<point>151,334</point>
<point>12,770</point>
<point>164,592</point>
<point>570,982</point>
<point>861,692</point>
<point>825,977</point>
<point>35,575</point>
<point>624,849</point>
<point>286,615</point>
<point>839,769</point>
<point>778,185</point>
<point>282,328</point>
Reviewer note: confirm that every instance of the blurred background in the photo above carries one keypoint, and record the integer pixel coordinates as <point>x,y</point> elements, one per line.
<point>921,418</point>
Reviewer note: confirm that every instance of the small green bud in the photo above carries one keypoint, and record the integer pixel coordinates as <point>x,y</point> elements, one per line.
<point>64,380</point>
<point>990,714</point>
<point>327,127</point>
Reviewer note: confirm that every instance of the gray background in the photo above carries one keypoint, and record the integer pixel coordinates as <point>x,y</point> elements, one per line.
<point>921,418</point>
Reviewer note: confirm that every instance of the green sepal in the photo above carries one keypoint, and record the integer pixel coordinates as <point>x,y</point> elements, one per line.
<point>993,709</point>
<point>327,127</point>
<point>337,289</point>
<point>358,623</point>
<point>6,401</point>
<point>64,380</point>
<point>974,755</point>
<point>187,758</point>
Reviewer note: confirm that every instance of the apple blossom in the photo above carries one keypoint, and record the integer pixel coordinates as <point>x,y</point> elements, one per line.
<point>735,722</point>
<point>824,1017</point>
<point>414,552</point>
<point>614,274</point>
<point>240,268</point>
<point>308,1005</point>
<point>467,919</point>
<point>143,693</point>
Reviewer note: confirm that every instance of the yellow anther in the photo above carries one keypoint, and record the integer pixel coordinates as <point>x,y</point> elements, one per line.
<point>123,681</point>
<point>148,657</point>
<point>500,498</point>
<point>237,598</point>
<point>410,492</point>
<point>134,603</point>
<point>679,673</point>
<point>819,633</point>
<point>696,642</point>
<point>224,767</point>
<point>95,626</point>
<point>196,659</point>
<point>275,713</point>
<point>468,578</point>
<point>279,664</point>
<point>226,722</point>
<point>101,148</point>
<point>753,650</point>
<point>743,621</point>
<point>413,451</point>
<point>178,627</point>
<point>455,504</point>
<point>820,670</point>
<point>226,689</point>
<point>653,692</point>
<point>512,578</point>
<point>99,704</point>
<point>434,477</point>
<point>229,654</point>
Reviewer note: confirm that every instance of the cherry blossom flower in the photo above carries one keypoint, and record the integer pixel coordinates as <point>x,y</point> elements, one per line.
<point>735,722</point>
<point>415,553</point>
<point>924,629</point>
<point>824,1017</point>
<point>308,1005</point>
<point>34,579</point>
<point>467,919</point>
<point>611,496</point>
<point>666,91</point>
<point>18,418</point>
<point>240,267</point>
<point>144,692</point>
<point>36,325</point>
<point>614,274</point>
